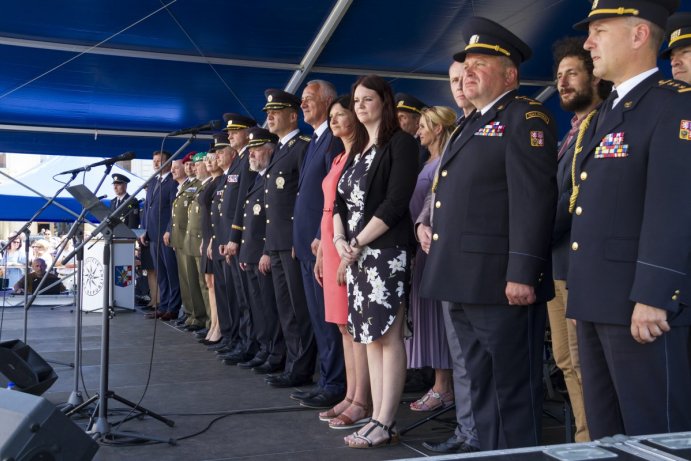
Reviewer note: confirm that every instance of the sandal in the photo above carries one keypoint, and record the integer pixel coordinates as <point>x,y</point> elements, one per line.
<point>432,401</point>
<point>393,438</point>
<point>344,421</point>
<point>331,413</point>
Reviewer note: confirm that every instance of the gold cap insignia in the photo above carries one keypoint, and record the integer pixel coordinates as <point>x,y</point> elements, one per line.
<point>675,34</point>
<point>474,39</point>
<point>251,135</point>
<point>595,4</point>
<point>270,98</point>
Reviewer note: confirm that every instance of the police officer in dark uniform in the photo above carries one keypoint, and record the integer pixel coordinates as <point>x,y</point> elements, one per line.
<point>408,110</point>
<point>239,180</point>
<point>257,265</point>
<point>281,186</point>
<point>678,49</point>
<point>130,215</point>
<point>631,229</point>
<point>489,256</point>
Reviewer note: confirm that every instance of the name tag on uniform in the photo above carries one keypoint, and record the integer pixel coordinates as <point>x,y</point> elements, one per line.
<point>491,129</point>
<point>612,146</point>
<point>233,178</point>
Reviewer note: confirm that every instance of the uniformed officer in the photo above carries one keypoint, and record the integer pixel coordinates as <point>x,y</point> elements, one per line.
<point>631,229</point>
<point>190,291</point>
<point>678,49</point>
<point>489,257</point>
<point>408,110</point>
<point>192,242</point>
<point>129,216</point>
<point>281,186</point>
<point>239,180</point>
<point>257,265</point>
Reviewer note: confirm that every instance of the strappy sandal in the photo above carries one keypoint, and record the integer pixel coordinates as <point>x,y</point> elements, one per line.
<point>331,413</point>
<point>432,401</point>
<point>393,437</point>
<point>344,421</point>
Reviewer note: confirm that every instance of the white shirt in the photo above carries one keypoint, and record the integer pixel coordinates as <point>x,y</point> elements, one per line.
<point>630,84</point>
<point>288,137</point>
<point>321,129</point>
<point>484,110</point>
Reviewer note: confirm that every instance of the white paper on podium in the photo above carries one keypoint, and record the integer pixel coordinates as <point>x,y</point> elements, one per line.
<point>122,276</point>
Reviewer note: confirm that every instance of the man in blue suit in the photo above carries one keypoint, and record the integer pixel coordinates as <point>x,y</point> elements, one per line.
<point>316,98</point>
<point>157,211</point>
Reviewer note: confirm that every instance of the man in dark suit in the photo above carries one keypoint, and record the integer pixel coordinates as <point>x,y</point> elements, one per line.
<point>464,438</point>
<point>489,257</point>
<point>316,98</point>
<point>631,230</point>
<point>678,49</point>
<point>239,180</point>
<point>157,211</point>
<point>281,188</point>
<point>257,266</point>
<point>129,216</point>
<point>579,92</point>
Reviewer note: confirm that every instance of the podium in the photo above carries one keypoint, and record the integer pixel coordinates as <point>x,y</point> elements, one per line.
<point>122,276</point>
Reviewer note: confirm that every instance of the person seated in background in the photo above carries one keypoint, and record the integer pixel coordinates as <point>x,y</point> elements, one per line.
<point>13,259</point>
<point>38,270</point>
<point>42,249</point>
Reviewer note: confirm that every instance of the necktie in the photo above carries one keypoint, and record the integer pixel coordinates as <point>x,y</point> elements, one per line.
<point>606,108</point>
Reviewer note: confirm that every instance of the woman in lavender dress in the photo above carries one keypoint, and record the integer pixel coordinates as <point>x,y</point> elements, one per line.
<point>428,346</point>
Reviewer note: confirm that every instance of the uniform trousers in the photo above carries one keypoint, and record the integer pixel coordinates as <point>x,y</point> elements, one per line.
<point>293,315</point>
<point>244,314</point>
<point>166,277</point>
<point>565,350</point>
<point>465,428</point>
<point>327,336</point>
<point>226,303</point>
<point>503,347</point>
<point>204,290</point>
<point>631,388</point>
<point>267,328</point>
<point>197,311</point>
<point>183,281</point>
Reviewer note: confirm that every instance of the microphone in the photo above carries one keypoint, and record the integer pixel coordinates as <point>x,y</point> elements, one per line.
<point>211,126</point>
<point>101,197</point>
<point>109,161</point>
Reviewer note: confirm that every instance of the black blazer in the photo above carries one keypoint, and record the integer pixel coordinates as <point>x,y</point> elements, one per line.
<point>130,215</point>
<point>562,222</point>
<point>494,206</point>
<point>253,224</point>
<point>631,238</point>
<point>390,184</point>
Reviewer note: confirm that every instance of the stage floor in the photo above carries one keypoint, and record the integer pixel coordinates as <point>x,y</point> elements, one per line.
<point>177,377</point>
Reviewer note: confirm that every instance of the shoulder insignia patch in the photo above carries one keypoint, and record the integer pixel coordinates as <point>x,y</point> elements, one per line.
<point>537,139</point>
<point>530,101</point>
<point>305,138</point>
<point>537,114</point>
<point>685,130</point>
<point>291,142</point>
<point>680,87</point>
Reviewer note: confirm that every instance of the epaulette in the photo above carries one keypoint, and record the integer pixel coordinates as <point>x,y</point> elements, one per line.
<point>674,85</point>
<point>304,137</point>
<point>530,101</point>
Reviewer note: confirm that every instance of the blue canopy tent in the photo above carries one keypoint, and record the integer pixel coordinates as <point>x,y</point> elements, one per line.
<point>96,78</point>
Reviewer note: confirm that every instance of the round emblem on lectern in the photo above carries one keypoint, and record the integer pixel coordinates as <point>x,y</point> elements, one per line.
<point>93,276</point>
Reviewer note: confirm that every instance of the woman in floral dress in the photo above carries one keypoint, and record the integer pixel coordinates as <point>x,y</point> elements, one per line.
<point>373,233</point>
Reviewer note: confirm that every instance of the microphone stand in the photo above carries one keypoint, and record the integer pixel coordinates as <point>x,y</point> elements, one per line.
<point>102,429</point>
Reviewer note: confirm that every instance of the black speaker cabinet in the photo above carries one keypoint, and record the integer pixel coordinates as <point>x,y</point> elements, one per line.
<point>32,429</point>
<point>23,366</point>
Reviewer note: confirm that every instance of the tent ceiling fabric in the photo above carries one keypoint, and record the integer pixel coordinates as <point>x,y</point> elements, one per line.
<point>122,86</point>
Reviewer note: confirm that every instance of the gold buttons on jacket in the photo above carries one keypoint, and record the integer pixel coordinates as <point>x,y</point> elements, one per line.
<point>584,175</point>
<point>438,204</point>
<point>444,173</point>
<point>676,294</point>
<point>579,210</point>
<point>268,222</point>
<point>435,237</point>
<point>266,206</point>
<point>574,246</point>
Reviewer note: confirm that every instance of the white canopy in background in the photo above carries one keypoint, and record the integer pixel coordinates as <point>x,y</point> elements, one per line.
<point>17,203</point>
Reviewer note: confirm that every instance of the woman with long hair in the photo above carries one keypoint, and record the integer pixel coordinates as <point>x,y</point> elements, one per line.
<point>354,411</point>
<point>373,233</point>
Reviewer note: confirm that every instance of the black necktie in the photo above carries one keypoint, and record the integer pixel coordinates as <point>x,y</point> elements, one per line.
<point>606,108</point>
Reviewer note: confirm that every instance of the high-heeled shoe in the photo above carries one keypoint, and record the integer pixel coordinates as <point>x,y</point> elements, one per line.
<point>208,342</point>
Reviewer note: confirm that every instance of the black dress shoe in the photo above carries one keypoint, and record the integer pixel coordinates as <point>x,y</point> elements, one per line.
<point>452,445</point>
<point>282,375</point>
<point>266,368</point>
<point>193,328</point>
<point>201,334</point>
<point>289,381</point>
<point>181,320</point>
<point>302,395</point>
<point>322,399</point>
<point>255,362</point>
<point>233,358</point>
